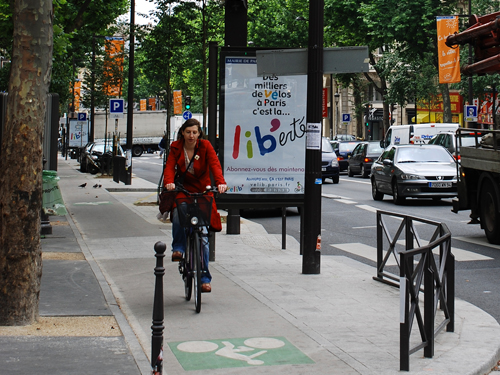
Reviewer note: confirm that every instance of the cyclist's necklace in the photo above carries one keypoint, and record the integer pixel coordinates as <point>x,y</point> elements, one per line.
<point>189,165</point>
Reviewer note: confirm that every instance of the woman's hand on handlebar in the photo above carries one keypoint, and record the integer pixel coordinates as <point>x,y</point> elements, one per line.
<point>222,188</point>
<point>170,186</point>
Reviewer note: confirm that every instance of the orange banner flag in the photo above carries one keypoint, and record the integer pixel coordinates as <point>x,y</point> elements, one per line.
<point>449,58</point>
<point>177,102</point>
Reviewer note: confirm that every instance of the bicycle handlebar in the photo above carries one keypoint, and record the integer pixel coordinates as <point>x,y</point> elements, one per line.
<point>180,188</point>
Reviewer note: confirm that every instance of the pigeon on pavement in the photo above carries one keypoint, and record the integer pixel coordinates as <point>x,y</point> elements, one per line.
<point>82,185</point>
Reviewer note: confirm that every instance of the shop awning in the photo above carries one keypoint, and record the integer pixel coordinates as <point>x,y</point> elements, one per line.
<point>421,118</point>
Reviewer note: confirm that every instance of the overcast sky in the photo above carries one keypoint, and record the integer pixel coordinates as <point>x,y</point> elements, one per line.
<point>141,6</point>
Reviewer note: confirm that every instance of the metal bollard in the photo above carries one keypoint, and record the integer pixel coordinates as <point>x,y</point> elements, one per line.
<point>157,327</point>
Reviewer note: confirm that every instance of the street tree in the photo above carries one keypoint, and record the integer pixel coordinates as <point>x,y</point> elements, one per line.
<point>21,162</point>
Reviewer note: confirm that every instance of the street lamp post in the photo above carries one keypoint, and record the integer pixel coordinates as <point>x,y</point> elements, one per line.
<point>337,97</point>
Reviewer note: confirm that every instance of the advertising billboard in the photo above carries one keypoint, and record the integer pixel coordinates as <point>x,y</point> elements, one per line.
<point>263,132</point>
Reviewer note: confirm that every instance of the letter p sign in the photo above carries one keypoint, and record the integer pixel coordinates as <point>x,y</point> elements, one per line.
<point>116,108</point>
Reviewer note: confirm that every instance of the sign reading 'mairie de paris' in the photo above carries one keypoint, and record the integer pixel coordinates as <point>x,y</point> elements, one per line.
<point>264,130</point>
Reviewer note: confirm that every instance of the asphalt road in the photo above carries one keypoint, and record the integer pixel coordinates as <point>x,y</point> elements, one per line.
<point>348,229</point>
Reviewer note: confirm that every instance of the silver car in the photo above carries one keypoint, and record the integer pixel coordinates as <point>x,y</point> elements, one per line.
<point>418,171</point>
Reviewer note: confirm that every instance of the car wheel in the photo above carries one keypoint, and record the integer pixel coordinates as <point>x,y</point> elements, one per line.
<point>93,169</point>
<point>349,171</point>
<point>335,179</point>
<point>364,172</point>
<point>397,199</point>
<point>376,195</point>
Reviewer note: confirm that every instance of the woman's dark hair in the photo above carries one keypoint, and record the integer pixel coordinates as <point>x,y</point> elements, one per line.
<point>187,124</point>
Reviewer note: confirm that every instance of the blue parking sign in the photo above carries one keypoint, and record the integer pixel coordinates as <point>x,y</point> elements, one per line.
<point>116,108</point>
<point>346,117</point>
<point>82,116</point>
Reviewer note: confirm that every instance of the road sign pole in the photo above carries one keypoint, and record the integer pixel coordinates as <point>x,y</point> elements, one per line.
<point>310,237</point>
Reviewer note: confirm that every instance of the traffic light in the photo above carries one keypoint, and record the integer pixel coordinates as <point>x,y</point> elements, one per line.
<point>188,103</point>
<point>367,114</point>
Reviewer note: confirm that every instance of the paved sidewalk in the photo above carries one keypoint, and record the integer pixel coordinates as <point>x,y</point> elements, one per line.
<point>263,316</point>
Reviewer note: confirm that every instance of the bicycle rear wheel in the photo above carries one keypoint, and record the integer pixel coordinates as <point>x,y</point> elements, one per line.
<point>197,270</point>
<point>187,275</point>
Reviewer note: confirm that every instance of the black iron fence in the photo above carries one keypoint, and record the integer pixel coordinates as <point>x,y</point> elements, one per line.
<point>422,271</point>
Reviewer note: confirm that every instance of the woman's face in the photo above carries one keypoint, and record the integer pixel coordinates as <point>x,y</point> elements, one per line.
<point>191,134</point>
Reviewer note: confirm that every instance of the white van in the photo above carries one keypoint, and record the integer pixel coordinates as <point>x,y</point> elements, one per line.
<point>406,134</point>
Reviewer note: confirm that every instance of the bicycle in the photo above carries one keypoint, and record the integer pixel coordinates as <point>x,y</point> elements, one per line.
<point>194,213</point>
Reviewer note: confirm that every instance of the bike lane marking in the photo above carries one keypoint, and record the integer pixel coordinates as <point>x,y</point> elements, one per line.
<point>237,352</point>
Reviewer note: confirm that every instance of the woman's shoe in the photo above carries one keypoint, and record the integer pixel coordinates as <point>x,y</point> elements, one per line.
<point>206,288</point>
<point>176,256</point>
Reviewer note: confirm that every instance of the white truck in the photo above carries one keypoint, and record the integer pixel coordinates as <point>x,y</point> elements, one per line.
<point>479,181</point>
<point>406,134</point>
<point>148,129</point>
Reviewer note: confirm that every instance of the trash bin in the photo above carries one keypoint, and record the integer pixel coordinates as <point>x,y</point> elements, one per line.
<point>52,202</point>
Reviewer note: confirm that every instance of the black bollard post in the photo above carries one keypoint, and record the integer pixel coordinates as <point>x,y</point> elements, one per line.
<point>157,327</point>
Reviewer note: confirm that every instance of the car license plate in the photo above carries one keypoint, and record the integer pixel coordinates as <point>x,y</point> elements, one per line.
<point>440,184</point>
<point>323,169</point>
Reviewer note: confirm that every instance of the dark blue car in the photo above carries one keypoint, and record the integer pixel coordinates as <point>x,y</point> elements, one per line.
<point>344,152</point>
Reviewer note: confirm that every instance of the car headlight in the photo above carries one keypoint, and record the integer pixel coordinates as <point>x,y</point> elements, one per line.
<point>335,163</point>
<point>407,176</point>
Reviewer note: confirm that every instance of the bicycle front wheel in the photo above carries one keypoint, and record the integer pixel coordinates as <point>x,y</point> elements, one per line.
<point>197,270</point>
<point>187,275</point>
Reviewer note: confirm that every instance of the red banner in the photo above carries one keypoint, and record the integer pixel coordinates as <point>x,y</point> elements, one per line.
<point>324,106</point>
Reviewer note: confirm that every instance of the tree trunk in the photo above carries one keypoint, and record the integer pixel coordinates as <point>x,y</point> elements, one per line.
<point>445,93</point>
<point>21,162</point>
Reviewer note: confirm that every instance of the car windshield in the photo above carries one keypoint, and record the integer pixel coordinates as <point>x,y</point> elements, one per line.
<point>347,146</point>
<point>423,155</point>
<point>99,147</point>
<point>326,146</point>
<point>374,148</point>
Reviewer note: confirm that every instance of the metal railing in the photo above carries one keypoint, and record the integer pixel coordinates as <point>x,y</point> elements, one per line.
<point>421,271</point>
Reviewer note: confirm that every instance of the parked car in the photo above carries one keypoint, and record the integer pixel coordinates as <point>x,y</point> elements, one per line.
<point>418,171</point>
<point>329,162</point>
<point>84,151</point>
<point>97,158</point>
<point>344,152</point>
<point>345,137</point>
<point>362,158</point>
<point>448,140</point>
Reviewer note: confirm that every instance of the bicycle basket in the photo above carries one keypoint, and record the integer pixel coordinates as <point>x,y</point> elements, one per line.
<point>189,207</point>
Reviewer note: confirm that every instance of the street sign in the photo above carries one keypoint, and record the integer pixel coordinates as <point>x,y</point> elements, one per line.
<point>336,60</point>
<point>187,115</point>
<point>82,116</point>
<point>346,117</point>
<point>470,113</point>
<point>116,108</point>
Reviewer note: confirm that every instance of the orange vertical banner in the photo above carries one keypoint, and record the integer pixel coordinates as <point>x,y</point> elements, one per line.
<point>113,66</point>
<point>177,102</point>
<point>449,58</point>
<point>142,104</point>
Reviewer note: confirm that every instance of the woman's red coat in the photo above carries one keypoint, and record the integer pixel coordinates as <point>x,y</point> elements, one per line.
<point>205,162</point>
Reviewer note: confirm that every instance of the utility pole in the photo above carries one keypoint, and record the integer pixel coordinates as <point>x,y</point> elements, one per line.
<point>312,198</point>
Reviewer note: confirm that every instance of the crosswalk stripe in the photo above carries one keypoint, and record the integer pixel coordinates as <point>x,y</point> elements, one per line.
<point>370,252</point>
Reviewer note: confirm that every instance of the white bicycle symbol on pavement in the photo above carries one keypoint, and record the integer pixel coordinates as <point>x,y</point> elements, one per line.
<point>230,351</point>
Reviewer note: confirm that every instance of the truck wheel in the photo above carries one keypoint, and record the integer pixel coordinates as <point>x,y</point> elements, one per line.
<point>490,218</point>
<point>136,151</point>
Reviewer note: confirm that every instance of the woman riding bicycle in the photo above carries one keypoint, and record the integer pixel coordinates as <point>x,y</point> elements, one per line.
<point>189,145</point>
